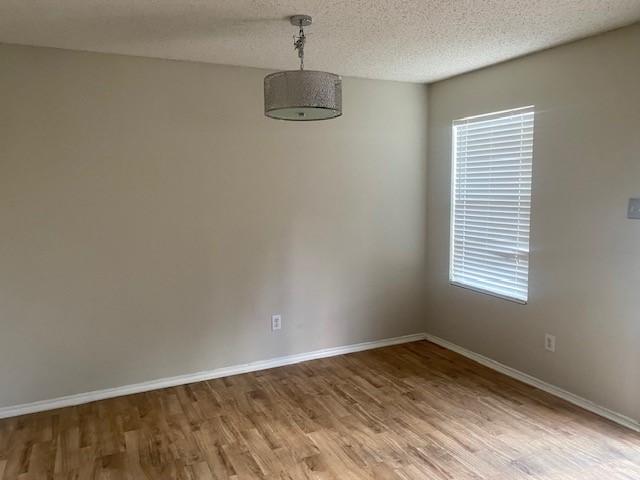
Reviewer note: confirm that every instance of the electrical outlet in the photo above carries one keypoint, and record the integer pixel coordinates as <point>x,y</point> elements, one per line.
<point>634,208</point>
<point>276,322</point>
<point>550,342</point>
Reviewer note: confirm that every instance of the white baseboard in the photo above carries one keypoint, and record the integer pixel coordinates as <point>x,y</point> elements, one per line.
<point>81,398</point>
<point>535,382</point>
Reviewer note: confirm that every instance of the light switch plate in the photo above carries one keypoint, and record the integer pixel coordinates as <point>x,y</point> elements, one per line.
<point>634,208</point>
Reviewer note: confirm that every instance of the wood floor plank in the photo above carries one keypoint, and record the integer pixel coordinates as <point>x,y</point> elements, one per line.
<point>413,411</point>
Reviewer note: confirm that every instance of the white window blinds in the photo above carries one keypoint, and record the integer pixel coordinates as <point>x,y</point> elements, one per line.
<point>491,202</point>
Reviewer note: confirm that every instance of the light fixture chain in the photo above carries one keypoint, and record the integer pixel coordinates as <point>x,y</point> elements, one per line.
<point>298,45</point>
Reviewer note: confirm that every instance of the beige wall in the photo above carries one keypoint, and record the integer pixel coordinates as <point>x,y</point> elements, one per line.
<point>585,257</point>
<point>152,220</point>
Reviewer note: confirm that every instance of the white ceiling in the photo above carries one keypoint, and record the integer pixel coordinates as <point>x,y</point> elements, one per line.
<point>410,40</point>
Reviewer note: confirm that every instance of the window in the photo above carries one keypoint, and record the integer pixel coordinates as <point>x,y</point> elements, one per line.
<point>491,203</point>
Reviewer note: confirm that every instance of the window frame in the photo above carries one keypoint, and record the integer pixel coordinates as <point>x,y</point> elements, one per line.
<point>452,198</point>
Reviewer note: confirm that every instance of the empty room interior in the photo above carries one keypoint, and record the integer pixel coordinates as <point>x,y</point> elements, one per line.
<point>320,239</point>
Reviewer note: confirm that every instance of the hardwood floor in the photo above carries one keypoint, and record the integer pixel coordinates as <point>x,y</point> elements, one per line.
<point>414,411</point>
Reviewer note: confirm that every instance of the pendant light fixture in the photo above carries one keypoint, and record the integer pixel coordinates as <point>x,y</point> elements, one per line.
<point>302,95</point>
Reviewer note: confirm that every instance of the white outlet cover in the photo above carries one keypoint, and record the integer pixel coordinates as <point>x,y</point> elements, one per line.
<point>276,322</point>
<point>550,342</point>
<point>634,208</point>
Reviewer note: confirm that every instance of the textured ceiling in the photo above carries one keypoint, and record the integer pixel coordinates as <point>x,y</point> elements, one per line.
<point>410,40</point>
